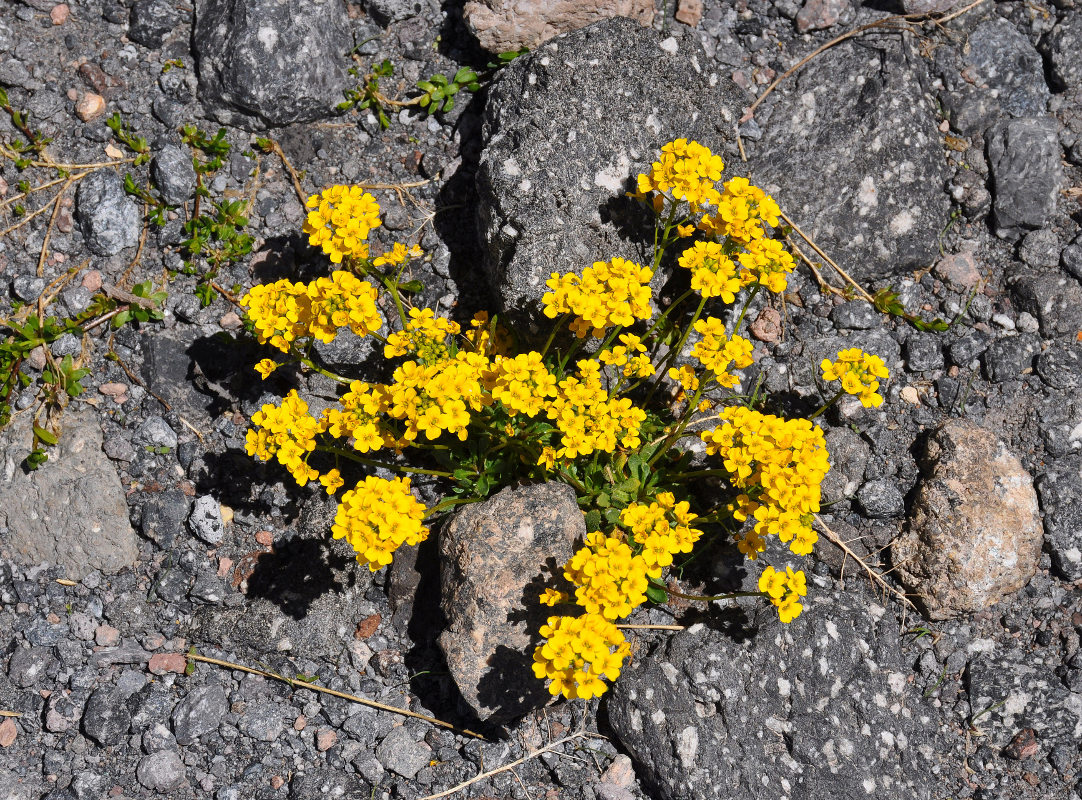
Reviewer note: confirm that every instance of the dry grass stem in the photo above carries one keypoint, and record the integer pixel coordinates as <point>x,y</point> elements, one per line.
<point>828,259</point>
<point>295,684</point>
<point>876,578</point>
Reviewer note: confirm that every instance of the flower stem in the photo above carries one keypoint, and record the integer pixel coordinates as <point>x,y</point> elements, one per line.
<point>371,462</point>
<point>709,598</point>
<point>827,404</point>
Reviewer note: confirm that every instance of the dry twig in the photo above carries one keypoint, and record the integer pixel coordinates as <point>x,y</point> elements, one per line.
<point>876,578</point>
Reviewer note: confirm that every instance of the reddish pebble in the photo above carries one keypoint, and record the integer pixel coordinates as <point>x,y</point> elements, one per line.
<point>8,731</point>
<point>224,566</point>
<point>161,663</point>
<point>92,281</point>
<point>277,782</point>
<point>230,321</point>
<point>265,538</point>
<point>300,723</point>
<point>73,94</point>
<point>52,618</point>
<point>117,392</point>
<point>690,12</point>
<point>90,107</point>
<point>107,636</point>
<point>59,14</point>
<point>325,740</point>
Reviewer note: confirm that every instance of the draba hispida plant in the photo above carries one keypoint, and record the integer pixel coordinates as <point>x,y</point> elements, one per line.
<point>603,405</point>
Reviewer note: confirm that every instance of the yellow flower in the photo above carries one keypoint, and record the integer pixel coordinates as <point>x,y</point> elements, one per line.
<point>377,517</point>
<point>339,221</point>
<point>265,367</point>
<point>609,293</point>
<point>858,372</point>
<point>332,481</point>
<point>577,653</point>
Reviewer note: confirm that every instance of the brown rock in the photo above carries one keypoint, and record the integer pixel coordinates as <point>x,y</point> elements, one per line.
<point>690,12</point>
<point>161,663</point>
<point>958,270</point>
<point>106,636</point>
<point>367,626</point>
<point>1023,745</point>
<point>325,740</point>
<point>92,280</point>
<point>8,732</point>
<point>264,538</point>
<point>767,326</point>
<point>94,77</point>
<point>974,535</point>
<point>495,559</point>
<point>90,107</point>
<point>502,25</point>
<point>59,14</point>
<point>819,14</point>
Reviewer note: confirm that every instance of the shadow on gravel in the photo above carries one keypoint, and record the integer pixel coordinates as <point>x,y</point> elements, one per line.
<point>296,573</point>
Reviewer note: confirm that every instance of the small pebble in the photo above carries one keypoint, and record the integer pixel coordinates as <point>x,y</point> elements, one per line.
<point>265,538</point>
<point>161,663</point>
<point>90,107</point>
<point>107,636</point>
<point>92,280</point>
<point>8,732</point>
<point>325,740</point>
<point>59,14</point>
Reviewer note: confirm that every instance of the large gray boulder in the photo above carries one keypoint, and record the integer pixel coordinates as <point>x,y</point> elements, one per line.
<point>567,128</point>
<point>72,510</point>
<point>271,62</point>
<point>503,25</point>
<point>817,708</point>
<point>495,559</point>
<point>853,155</point>
<point>974,534</point>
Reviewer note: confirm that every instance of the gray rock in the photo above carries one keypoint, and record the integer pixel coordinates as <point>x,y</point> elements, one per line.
<point>67,345</point>
<point>386,12</point>
<point>849,455</point>
<point>106,718</point>
<point>76,299</point>
<point>1027,175</point>
<point>151,21</point>
<point>173,174</point>
<point>551,181</point>
<point>503,25</point>
<point>1060,491</point>
<point>206,520</point>
<point>488,552</point>
<point>1011,690</point>
<point>109,220</point>
<point>1053,298</point>
<point>1005,76</point>
<point>28,666</point>
<point>164,516</point>
<point>263,720</point>
<point>73,510</point>
<point>346,351</point>
<point>158,737</point>
<point>28,287</point>
<point>402,754</point>
<point>855,315</point>
<point>923,352</point>
<point>809,708</point>
<point>1060,366</point>
<point>327,782</point>
<point>927,6</point>
<point>61,713</point>
<point>267,63</point>
<point>1005,359</point>
<point>199,713</point>
<point>1065,52</point>
<point>876,209</point>
<point>161,771</point>
<point>968,474</point>
<point>1071,258</point>
<point>880,499</point>
<point>967,346</point>
<point>208,588</point>
<point>156,432</point>
<point>1040,248</point>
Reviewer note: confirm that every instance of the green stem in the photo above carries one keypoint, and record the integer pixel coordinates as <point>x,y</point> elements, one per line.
<point>672,355</point>
<point>665,314</point>
<point>827,404</point>
<point>327,373</point>
<point>684,420</point>
<point>370,462</point>
<point>708,598</point>
<point>555,327</point>
<point>744,310</point>
<point>699,473</point>
<point>449,502</point>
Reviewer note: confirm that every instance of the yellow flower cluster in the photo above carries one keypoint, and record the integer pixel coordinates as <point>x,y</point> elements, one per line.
<point>629,354</point>
<point>713,273</point>
<point>522,383</point>
<point>859,373</point>
<point>398,254</point>
<point>359,417</point>
<point>284,311</point>
<point>577,653</point>
<point>588,419</point>
<point>610,579</point>
<point>784,590</point>
<point>780,465</point>
<point>377,517</point>
<point>768,263</point>
<point>742,210</point>
<point>339,221</point>
<point>425,336</point>
<point>662,529</point>
<point>686,171</point>
<point>717,352</point>
<point>609,293</point>
<point>286,432</point>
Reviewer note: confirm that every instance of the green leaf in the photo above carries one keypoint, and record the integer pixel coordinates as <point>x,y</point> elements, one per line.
<point>411,286</point>
<point>36,458</point>
<point>44,435</point>
<point>593,520</point>
<point>657,594</point>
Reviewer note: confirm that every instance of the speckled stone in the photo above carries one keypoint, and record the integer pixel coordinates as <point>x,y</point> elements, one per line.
<point>974,534</point>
